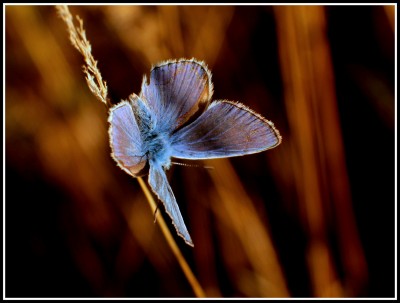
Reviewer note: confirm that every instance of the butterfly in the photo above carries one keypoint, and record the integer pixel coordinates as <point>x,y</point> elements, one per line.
<point>174,117</point>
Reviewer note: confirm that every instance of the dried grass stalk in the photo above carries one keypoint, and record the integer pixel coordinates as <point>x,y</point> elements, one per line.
<point>78,39</point>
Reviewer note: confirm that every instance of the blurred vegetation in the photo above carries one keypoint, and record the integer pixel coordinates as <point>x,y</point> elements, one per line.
<point>313,217</point>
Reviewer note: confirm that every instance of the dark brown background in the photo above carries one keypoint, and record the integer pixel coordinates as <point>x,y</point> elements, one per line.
<point>312,217</point>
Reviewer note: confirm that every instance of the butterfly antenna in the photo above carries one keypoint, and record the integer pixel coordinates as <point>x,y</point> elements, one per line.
<point>192,165</point>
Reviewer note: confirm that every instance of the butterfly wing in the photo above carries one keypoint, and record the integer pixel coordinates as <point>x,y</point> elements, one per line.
<point>159,183</point>
<point>176,91</point>
<point>127,150</point>
<point>225,129</point>
<point>125,140</point>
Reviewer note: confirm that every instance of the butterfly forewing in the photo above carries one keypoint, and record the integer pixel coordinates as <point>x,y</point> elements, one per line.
<point>125,140</point>
<point>225,129</point>
<point>176,91</point>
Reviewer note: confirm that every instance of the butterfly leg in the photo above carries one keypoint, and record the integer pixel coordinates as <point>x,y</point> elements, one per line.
<point>156,211</point>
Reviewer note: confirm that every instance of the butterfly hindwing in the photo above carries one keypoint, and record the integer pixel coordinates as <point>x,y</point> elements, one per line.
<point>225,129</point>
<point>159,184</point>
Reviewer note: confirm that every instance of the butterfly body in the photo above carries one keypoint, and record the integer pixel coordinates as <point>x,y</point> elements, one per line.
<point>156,141</point>
<point>174,117</point>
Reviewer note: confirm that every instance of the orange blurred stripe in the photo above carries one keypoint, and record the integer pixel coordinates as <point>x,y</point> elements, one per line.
<point>314,123</point>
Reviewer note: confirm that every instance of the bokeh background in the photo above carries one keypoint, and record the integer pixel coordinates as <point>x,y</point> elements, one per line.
<point>313,217</point>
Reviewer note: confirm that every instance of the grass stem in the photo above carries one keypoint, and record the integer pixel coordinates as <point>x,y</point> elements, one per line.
<point>172,244</point>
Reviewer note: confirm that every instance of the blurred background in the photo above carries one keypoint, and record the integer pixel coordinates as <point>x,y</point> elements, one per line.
<point>313,217</point>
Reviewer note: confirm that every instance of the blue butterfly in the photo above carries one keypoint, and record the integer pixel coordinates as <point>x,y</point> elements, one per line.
<point>174,117</point>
